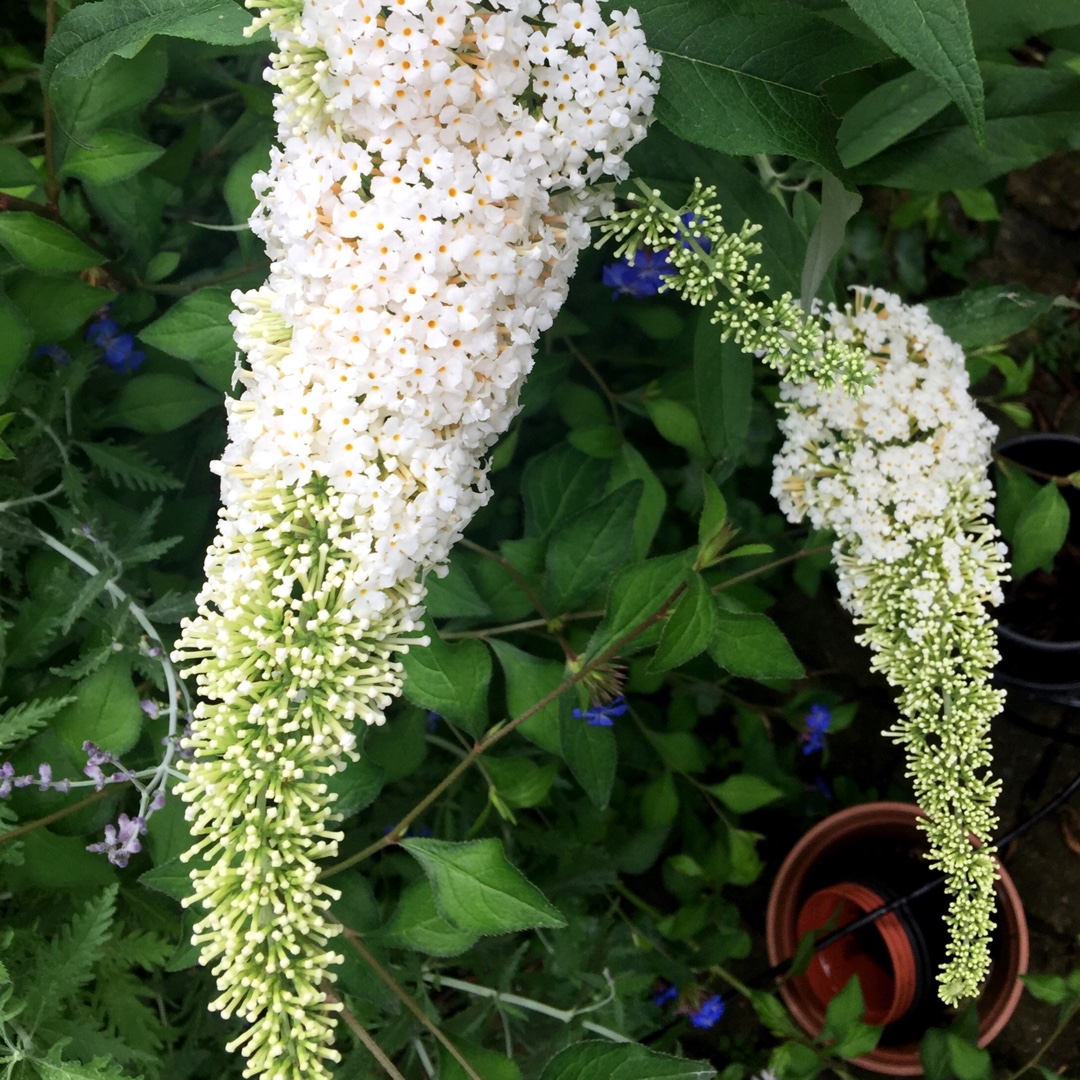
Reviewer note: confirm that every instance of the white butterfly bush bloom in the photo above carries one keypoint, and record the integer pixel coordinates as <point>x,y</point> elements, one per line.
<point>423,215</point>
<point>900,476</point>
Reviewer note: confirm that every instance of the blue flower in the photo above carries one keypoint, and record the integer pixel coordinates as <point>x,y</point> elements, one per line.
<point>817,721</point>
<point>708,1012</point>
<point>703,241</point>
<point>431,721</point>
<point>637,276</point>
<point>662,997</point>
<point>118,350</point>
<point>602,715</point>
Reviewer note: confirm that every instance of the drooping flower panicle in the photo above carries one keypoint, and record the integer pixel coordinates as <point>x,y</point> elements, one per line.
<point>900,476</point>
<point>423,215</point>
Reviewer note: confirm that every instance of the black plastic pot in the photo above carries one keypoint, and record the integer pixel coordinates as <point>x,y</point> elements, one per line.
<point>1043,667</point>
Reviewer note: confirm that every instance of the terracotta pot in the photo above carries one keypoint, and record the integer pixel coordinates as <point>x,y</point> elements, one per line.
<point>842,866</point>
<point>1046,666</point>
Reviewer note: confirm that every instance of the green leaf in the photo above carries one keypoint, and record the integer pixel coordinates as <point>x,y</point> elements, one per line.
<point>87,36</point>
<point>1052,989</point>
<point>1001,22</point>
<point>752,646</point>
<point>838,207</point>
<point>152,404</point>
<point>689,629</point>
<point>887,114</point>
<point>723,382</point>
<point>56,308</point>
<point>844,1010</point>
<point>173,878</point>
<point>988,314</point>
<point>528,680</point>
<point>357,787</point>
<point>110,155</point>
<point>486,1063</point>
<point>637,594</point>
<point>677,423</point>
<point>521,783</point>
<point>934,36</point>
<point>477,890</point>
<point>43,245</point>
<point>588,546</point>
<point>621,1061</point>
<point>417,924</point>
<point>161,266</point>
<point>598,440</point>
<point>772,1014</point>
<point>53,1067</point>
<point>660,802</point>
<point>557,484</point>
<point>27,718</point>
<point>968,1061</point>
<point>1040,531</point>
<point>713,533</point>
<point>454,596</point>
<point>1030,114</point>
<point>129,467</point>
<point>67,960</point>
<point>628,466</point>
<point>743,76</point>
<point>978,204</point>
<point>105,711</point>
<point>17,336</point>
<point>450,679</point>
<point>16,170</point>
<point>398,749</point>
<point>743,793</point>
<point>590,752</point>
<point>197,329</point>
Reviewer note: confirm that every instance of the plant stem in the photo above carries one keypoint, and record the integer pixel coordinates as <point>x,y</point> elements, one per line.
<point>804,554</point>
<point>565,1015</point>
<point>510,628</point>
<point>1063,1026</point>
<point>56,815</point>
<point>500,731</point>
<point>365,1037</point>
<point>357,943</point>
<point>181,287</point>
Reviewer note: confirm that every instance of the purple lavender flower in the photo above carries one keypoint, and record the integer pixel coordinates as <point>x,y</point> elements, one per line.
<point>150,708</point>
<point>817,721</point>
<point>118,349</point>
<point>157,802</point>
<point>637,276</point>
<point>602,715</point>
<point>7,779</point>
<point>121,840</point>
<point>708,1012</point>
<point>45,780</point>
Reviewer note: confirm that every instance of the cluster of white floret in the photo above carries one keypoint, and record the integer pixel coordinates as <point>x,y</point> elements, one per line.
<point>423,215</point>
<point>900,476</point>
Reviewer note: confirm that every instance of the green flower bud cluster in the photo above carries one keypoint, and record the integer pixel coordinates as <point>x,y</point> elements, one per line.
<point>714,267</point>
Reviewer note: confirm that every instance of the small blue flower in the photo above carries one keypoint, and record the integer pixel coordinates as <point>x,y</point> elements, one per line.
<point>817,721</point>
<point>602,715</point>
<point>118,350</point>
<point>662,997</point>
<point>638,278</point>
<point>61,357</point>
<point>703,241</point>
<point>708,1012</point>
<point>431,721</point>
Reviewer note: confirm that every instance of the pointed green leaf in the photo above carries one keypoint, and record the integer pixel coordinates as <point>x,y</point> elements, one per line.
<point>557,484</point>
<point>521,782</point>
<point>845,1009</point>
<point>44,246</point>
<point>723,382</point>
<point>934,36</point>
<point>477,890</point>
<point>838,206</point>
<point>16,171</point>
<point>622,1061</point>
<point>153,404</point>
<point>450,678</point>
<point>629,465</point>
<point>588,546</point>
<point>752,646</point>
<point>689,629</point>
<point>486,1063</point>
<point>417,924</point>
<point>1040,531</point>
<point>454,596</point>
<point>56,308</point>
<point>110,155</point>
<point>173,878</point>
<point>16,336</point>
<point>105,711</point>
<point>743,76</point>
<point>87,36</point>
<point>528,680</point>
<point>743,793</point>
<point>590,752</point>
<point>197,329</point>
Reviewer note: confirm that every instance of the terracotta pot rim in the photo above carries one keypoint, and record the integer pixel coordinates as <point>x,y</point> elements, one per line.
<point>780,943</point>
